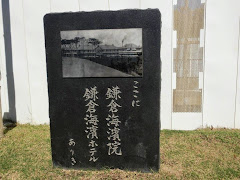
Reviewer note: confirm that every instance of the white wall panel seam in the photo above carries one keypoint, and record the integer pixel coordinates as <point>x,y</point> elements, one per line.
<point>109,5</point>
<point>119,5</point>
<point>237,84</point>
<point>26,51</point>
<point>172,24</point>
<point>79,5</point>
<point>50,5</point>
<point>50,2</point>
<point>204,48</point>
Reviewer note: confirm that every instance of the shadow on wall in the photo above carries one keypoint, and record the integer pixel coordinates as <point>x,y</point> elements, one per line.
<point>11,115</point>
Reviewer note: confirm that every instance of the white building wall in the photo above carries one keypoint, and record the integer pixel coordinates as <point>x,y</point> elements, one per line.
<point>237,109</point>
<point>20,63</point>
<point>221,54</point>
<point>33,12</point>
<point>220,102</point>
<point>92,5</point>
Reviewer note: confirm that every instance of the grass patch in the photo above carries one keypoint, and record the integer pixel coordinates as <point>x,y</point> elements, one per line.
<point>25,153</point>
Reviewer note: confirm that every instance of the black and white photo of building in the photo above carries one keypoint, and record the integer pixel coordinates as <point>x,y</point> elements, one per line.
<point>102,53</point>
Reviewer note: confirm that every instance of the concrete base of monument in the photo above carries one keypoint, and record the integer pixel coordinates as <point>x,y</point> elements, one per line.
<point>78,67</point>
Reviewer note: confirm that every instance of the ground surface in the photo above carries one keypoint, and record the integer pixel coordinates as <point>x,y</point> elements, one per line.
<point>202,154</point>
<point>76,67</point>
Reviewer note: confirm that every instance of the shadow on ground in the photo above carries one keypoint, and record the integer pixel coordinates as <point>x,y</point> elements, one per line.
<point>8,125</point>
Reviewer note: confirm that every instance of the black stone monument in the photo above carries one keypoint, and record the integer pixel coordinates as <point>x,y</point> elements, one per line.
<point>103,71</point>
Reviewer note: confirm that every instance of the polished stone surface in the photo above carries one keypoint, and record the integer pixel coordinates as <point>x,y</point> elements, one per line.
<point>130,140</point>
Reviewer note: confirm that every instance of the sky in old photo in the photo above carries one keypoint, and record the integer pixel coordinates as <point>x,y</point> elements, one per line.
<point>108,36</point>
